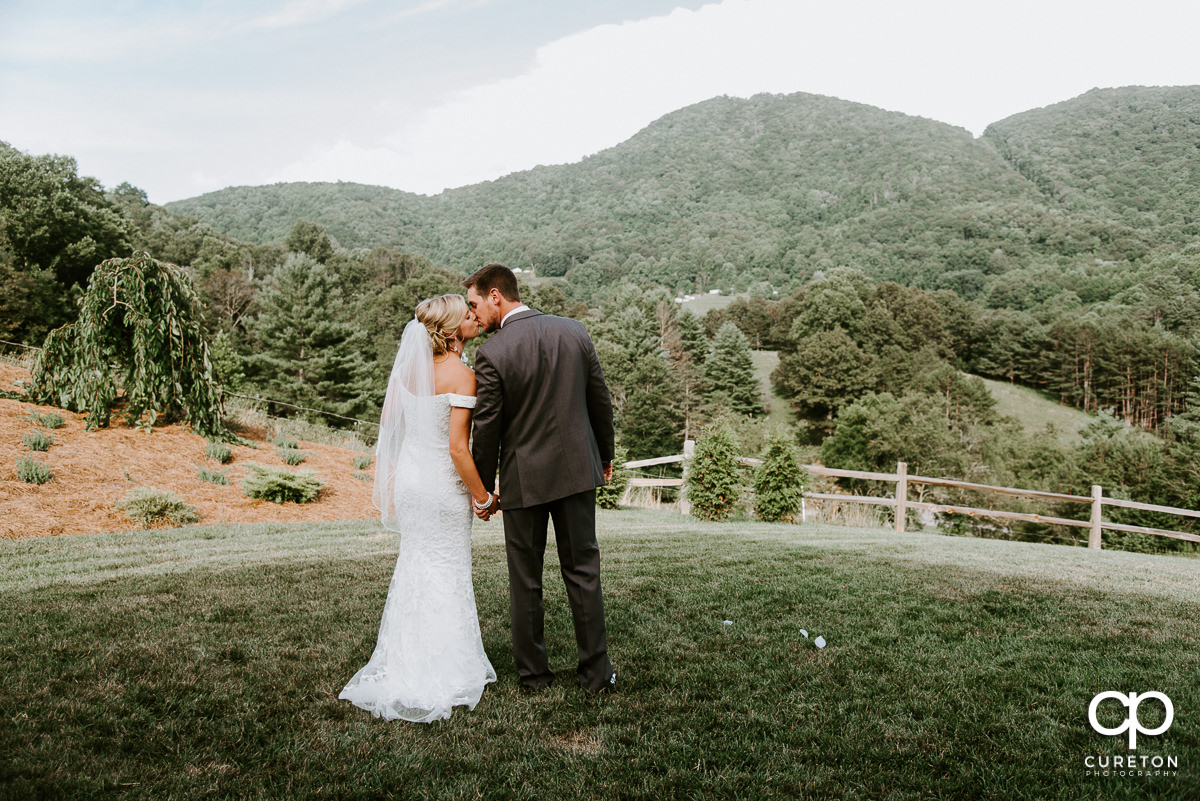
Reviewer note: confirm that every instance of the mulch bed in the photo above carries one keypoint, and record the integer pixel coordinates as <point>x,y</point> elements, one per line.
<point>94,469</point>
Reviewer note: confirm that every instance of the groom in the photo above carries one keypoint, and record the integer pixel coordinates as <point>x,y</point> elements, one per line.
<point>543,410</point>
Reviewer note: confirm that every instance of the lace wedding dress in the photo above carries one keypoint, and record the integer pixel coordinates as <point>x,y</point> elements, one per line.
<point>429,656</point>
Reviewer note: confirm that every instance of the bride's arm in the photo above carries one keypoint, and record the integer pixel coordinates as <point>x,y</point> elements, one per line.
<point>460,442</point>
<point>460,454</point>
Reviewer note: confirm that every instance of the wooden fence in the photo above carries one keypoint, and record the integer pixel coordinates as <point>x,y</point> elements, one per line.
<point>899,502</point>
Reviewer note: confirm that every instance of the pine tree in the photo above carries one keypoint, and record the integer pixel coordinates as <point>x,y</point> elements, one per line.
<point>1183,452</point>
<point>778,484</point>
<point>691,336</point>
<point>686,347</point>
<point>310,239</point>
<point>713,480</point>
<point>307,354</point>
<point>729,372</point>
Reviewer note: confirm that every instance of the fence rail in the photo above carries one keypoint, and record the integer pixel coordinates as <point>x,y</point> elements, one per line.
<point>900,504</point>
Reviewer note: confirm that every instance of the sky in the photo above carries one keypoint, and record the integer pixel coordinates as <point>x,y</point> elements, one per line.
<point>183,97</point>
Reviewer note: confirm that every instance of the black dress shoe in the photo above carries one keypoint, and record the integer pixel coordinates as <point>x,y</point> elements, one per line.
<point>534,686</point>
<point>610,687</point>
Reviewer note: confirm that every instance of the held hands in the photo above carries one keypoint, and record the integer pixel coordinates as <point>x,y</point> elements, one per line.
<point>486,510</point>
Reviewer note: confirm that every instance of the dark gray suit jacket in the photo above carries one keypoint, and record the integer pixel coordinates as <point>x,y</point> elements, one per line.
<point>543,411</point>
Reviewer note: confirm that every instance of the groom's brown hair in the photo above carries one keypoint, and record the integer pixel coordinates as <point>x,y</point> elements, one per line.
<point>495,276</point>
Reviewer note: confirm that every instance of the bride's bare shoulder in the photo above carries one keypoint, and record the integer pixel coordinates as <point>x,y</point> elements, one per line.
<point>456,378</point>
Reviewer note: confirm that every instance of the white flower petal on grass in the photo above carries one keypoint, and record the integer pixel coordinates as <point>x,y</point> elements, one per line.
<point>819,642</point>
<point>728,622</point>
<point>804,633</point>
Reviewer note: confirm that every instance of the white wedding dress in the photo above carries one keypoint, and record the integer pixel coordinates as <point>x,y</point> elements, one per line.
<point>429,656</point>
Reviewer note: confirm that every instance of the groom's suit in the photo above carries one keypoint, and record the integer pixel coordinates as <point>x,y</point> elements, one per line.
<point>544,413</point>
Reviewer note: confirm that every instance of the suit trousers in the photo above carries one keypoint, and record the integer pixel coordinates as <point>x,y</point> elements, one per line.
<point>525,531</point>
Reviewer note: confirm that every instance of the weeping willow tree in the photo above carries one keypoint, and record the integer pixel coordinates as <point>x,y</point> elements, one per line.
<point>138,338</point>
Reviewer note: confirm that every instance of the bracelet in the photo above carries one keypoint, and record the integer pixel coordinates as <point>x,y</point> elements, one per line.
<point>490,500</point>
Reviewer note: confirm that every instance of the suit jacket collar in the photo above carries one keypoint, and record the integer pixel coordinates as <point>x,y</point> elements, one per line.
<point>520,315</point>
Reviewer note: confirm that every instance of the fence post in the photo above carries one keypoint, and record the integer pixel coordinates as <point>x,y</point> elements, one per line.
<point>689,450</point>
<point>1097,516</point>
<point>901,495</point>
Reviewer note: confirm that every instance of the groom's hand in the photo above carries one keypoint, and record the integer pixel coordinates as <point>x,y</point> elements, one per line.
<point>608,467</point>
<point>486,512</point>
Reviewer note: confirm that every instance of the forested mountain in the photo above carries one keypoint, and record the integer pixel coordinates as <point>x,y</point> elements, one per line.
<point>730,193</point>
<point>1131,153</point>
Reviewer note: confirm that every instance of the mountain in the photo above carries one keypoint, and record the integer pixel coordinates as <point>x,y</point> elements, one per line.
<point>1130,153</point>
<point>733,193</point>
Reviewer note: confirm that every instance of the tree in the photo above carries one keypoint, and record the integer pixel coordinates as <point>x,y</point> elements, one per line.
<point>729,372</point>
<point>714,481</point>
<point>1129,463</point>
<point>778,483</point>
<point>306,352</point>
<point>691,336</point>
<point>826,371</point>
<point>138,330</point>
<point>55,227</point>
<point>310,239</point>
<point>55,219</point>
<point>686,348</point>
<point>384,314</point>
<point>1182,473</point>
<point>650,418</point>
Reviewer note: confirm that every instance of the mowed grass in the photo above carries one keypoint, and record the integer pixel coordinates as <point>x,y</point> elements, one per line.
<point>779,411</point>
<point>1037,410</point>
<point>206,663</point>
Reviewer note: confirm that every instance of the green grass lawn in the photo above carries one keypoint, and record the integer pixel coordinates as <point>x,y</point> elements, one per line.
<point>779,412</point>
<point>1037,410</point>
<point>206,663</point>
<point>705,303</point>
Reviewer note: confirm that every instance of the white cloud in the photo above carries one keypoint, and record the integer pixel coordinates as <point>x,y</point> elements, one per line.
<point>583,93</point>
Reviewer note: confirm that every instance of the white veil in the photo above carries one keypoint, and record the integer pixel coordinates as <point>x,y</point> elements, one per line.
<point>412,374</point>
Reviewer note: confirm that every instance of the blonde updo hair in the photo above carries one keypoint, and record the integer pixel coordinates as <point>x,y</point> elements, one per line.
<point>441,317</point>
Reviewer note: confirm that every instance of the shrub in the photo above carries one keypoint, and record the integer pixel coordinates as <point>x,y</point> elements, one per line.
<point>48,420</point>
<point>37,440</point>
<point>149,506</point>
<point>219,452</point>
<point>609,496</point>
<point>280,486</point>
<point>291,457</point>
<point>363,476</point>
<point>283,442</point>
<point>713,482</point>
<point>778,484</point>
<point>362,462</point>
<point>213,476</point>
<point>33,471</point>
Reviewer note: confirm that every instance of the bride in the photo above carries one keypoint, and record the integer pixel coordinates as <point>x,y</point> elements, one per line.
<point>429,656</point>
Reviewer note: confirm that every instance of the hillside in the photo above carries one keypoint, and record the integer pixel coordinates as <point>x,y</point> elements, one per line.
<point>94,469</point>
<point>1132,153</point>
<point>1036,411</point>
<point>730,192</point>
